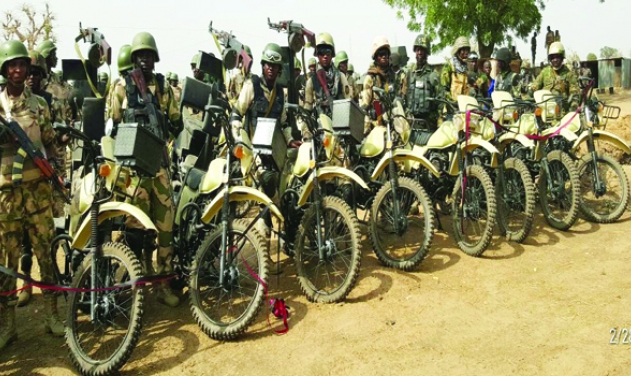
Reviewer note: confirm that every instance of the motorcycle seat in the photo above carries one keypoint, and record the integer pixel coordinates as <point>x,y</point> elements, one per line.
<point>194,178</point>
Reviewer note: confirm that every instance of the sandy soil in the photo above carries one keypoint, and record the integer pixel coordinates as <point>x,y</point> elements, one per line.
<point>546,307</point>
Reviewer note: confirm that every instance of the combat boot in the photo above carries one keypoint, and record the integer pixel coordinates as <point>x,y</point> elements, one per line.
<point>166,296</point>
<point>147,262</point>
<point>8,333</point>
<point>25,297</point>
<point>52,322</point>
<point>27,264</point>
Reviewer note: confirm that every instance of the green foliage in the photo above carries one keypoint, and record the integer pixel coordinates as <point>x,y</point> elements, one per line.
<point>609,52</point>
<point>491,21</point>
<point>592,56</point>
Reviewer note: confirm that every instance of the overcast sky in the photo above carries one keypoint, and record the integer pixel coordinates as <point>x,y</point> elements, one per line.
<point>181,26</point>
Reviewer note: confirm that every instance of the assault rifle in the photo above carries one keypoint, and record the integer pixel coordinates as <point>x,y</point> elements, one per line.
<point>298,34</point>
<point>100,51</point>
<point>28,149</point>
<point>233,49</point>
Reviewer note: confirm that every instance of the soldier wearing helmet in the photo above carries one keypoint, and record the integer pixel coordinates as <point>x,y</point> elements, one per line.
<point>25,193</point>
<point>263,97</point>
<point>557,77</point>
<point>423,83</point>
<point>341,63</point>
<point>506,79</point>
<point>175,86</point>
<point>311,66</point>
<point>242,73</point>
<point>153,195</point>
<point>478,80</point>
<point>454,75</point>
<point>300,81</point>
<point>60,109</point>
<point>328,83</point>
<point>102,83</point>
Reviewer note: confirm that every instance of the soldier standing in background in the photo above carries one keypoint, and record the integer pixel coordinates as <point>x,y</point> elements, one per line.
<point>454,76</point>
<point>341,63</point>
<point>557,36</point>
<point>175,86</point>
<point>549,38</point>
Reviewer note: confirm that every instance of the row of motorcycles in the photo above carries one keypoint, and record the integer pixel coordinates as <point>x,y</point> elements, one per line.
<point>479,167</point>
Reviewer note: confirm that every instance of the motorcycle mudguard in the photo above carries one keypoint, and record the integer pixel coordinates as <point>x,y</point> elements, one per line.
<point>214,177</point>
<point>239,193</point>
<point>603,136</point>
<point>106,211</point>
<point>402,155</point>
<point>470,147</point>
<point>328,173</point>
<point>507,138</point>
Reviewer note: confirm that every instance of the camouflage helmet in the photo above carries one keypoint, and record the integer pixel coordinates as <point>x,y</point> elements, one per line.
<point>473,55</point>
<point>248,50</point>
<point>174,77</point>
<point>11,50</point>
<point>38,62</point>
<point>460,43</point>
<point>103,76</point>
<point>297,64</point>
<point>272,54</point>
<point>351,68</point>
<point>325,39</point>
<point>123,61</point>
<point>379,43</point>
<point>422,41</point>
<point>144,41</point>
<point>46,47</point>
<point>503,54</point>
<point>341,57</point>
<point>556,48</point>
<point>312,61</point>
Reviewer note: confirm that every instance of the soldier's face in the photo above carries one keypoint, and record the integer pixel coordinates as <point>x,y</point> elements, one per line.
<point>145,60</point>
<point>312,68</point>
<point>463,53</point>
<point>487,68</point>
<point>421,56</point>
<point>473,65</point>
<point>297,72</point>
<point>343,67</point>
<point>52,59</point>
<point>16,72</point>
<point>325,55</point>
<point>34,80</point>
<point>556,60</point>
<point>270,71</point>
<point>382,57</point>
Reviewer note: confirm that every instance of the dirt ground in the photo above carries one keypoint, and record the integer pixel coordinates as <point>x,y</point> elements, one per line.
<point>546,307</point>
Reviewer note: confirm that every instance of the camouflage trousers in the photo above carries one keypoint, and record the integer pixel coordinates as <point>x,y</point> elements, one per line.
<point>154,197</point>
<point>26,208</point>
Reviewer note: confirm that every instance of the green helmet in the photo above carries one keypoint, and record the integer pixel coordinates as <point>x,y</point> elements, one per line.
<point>297,64</point>
<point>11,50</point>
<point>167,75</point>
<point>38,62</point>
<point>312,61</point>
<point>556,48</point>
<point>340,57</point>
<point>103,76</point>
<point>144,41</point>
<point>423,42</point>
<point>503,54</point>
<point>325,39</point>
<point>461,42</point>
<point>46,48</point>
<point>272,54</point>
<point>247,50</point>
<point>174,77</point>
<point>350,68</point>
<point>124,58</point>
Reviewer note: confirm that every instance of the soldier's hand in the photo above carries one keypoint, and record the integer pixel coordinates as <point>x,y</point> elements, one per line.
<point>295,144</point>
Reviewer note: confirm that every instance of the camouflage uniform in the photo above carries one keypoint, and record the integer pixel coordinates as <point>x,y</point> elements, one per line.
<point>236,85</point>
<point>381,79</point>
<point>509,81</point>
<point>559,82</point>
<point>454,75</point>
<point>154,195</point>
<point>419,85</point>
<point>337,85</point>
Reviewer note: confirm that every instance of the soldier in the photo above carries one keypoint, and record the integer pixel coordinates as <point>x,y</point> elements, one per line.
<point>312,67</point>
<point>328,83</point>
<point>26,204</point>
<point>506,79</point>
<point>557,77</point>
<point>154,195</point>
<point>423,83</point>
<point>557,36</point>
<point>549,38</point>
<point>300,80</point>
<point>341,63</point>
<point>60,110</point>
<point>454,75</point>
<point>175,86</point>
<point>262,97</point>
<point>124,65</point>
<point>399,72</point>
<point>168,77</point>
<point>379,74</point>
<point>533,47</point>
<point>236,83</point>
<point>102,84</point>
<point>478,80</point>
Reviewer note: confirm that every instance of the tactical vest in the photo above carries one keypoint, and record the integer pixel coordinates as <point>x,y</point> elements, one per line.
<point>28,118</point>
<point>459,83</point>
<point>506,83</point>
<point>419,89</point>
<point>260,105</point>
<point>136,111</point>
<point>337,92</point>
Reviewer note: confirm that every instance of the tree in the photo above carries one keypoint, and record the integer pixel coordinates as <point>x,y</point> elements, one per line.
<point>609,52</point>
<point>572,57</point>
<point>591,56</point>
<point>490,21</point>
<point>29,26</point>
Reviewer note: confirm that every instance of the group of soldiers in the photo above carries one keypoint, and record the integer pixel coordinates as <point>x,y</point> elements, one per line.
<point>36,98</point>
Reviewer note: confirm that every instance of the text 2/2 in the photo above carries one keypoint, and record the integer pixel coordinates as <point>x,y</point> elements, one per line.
<point>618,336</point>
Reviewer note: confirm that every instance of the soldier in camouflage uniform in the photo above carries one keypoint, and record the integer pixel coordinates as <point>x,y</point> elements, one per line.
<point>312,67</point>
<point>557,77</point>
<point>506,80</point>
<point>124,65</point>
<point>328,83</point>
<point>341,63</point>
<point>154,195</point>
<point>102,84</point>
<point>175,86</point>
<point>454,77</point>
<point>253,103</point>
<point>423,83</point>
<point>300,81</point>
<point>25,199</point>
